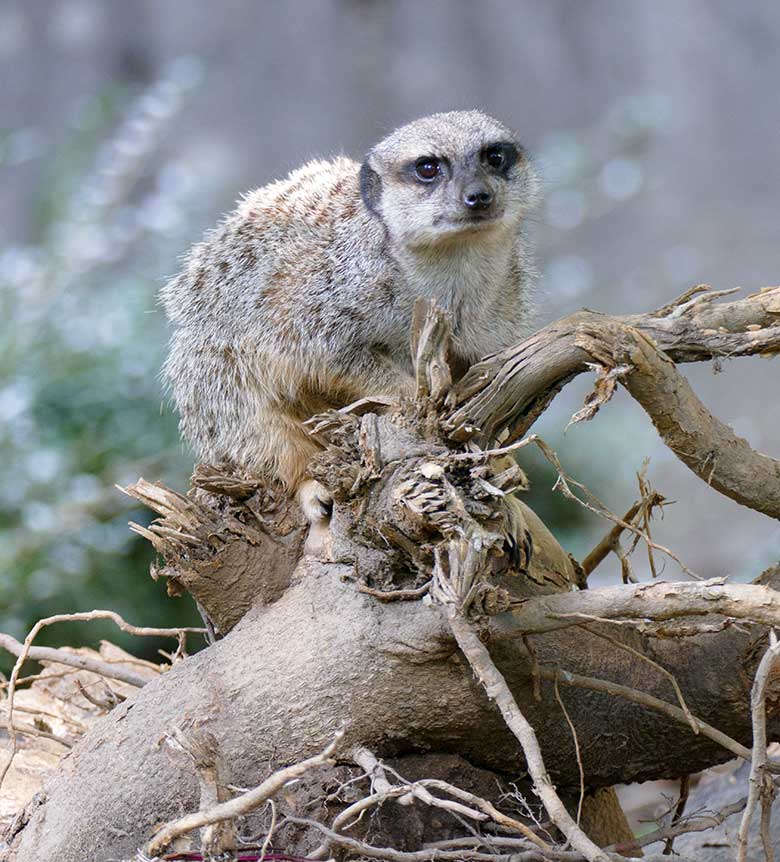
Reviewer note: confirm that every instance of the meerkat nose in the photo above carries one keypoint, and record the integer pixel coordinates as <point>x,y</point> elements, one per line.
<point>477,196</point>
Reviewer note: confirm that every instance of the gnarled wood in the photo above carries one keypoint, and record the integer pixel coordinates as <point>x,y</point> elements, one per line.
<point>512,388</point>
<point>391,676</point>
<point>234,540</point>
<point>389,673</point>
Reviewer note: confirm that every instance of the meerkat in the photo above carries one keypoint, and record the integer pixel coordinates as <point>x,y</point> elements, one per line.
<point>301,299</point>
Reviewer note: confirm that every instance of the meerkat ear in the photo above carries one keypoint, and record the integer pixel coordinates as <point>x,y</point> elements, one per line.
<point>370,187</point>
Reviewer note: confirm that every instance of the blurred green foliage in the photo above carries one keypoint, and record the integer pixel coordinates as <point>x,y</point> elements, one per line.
<point>80,399</point>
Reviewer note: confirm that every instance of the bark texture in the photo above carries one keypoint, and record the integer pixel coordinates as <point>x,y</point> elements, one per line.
<point>390,675</point>
<point>316,648</point>
<point>513,388</point>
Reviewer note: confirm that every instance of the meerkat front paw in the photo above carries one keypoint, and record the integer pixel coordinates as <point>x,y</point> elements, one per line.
<point>316,501</point>
<point>317,504</point>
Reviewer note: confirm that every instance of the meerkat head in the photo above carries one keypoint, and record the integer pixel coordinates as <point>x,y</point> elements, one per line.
<point>458,176</point>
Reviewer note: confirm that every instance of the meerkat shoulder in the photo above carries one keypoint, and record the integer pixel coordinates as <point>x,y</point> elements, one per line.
<point>290,248</point>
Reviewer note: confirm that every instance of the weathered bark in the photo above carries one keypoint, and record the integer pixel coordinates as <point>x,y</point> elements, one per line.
<point>232,542</point>
<point>513,388</point>
<point>656,601</point>
<point>389,673</point>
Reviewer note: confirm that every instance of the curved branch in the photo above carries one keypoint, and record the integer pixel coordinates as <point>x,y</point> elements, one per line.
<point>709,447</point>
<point>657,601</point>
<point>238,805</point>
<point>73,659</point>
<point>511,389</point>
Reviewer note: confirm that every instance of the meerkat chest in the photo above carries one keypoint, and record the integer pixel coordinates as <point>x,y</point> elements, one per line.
<point>467,280</point>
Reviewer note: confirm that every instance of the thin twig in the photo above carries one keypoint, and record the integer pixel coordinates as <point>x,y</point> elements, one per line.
<point>654,703</point>
<point>478,841</point>
<point>80,727</point>
<point>239,804</point>
<point>80,662</point>
<point>640,655</point>
<point>758,770</point>
<point>608,543</point>
<point>536,856</point>
<point>269,836</point>
<point>434,853</point>
<point>483,805</point>
<point>26,730</point>
<point>576,748</point>
<point>498,691</point>
<point>679,810</point>
<point>653,498</point>
<point>598,507</point>
<point>478,809</point>
<point>106,703</point>
<point>392,855</point>
<point>642,511</point>
<point>487,808</point>
<point>484,454</point>
<point>692,823</point>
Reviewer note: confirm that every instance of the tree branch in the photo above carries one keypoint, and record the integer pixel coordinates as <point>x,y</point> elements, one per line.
<point>760,783</point>
<point>657,601</point>
<point>73,659</point>
<point>511,389</point>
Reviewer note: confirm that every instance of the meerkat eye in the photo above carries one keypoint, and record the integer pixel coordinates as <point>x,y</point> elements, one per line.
<point>427,168</point>
<point>495,157</point>
<point>500,156</point>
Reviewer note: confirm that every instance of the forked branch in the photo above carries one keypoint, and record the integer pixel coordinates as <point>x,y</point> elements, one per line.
<point>513,388</point>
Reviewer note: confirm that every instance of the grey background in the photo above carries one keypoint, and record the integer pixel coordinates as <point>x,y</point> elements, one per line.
<point>655,126</point>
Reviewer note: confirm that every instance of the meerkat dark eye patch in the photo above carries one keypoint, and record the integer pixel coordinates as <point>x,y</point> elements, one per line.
<point>500,156</point>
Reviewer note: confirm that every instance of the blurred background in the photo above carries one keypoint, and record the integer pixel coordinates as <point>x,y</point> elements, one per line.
<point>128,128</point>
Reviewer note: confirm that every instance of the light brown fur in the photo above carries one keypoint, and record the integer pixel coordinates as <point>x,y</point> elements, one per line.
<point>301,299</point>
